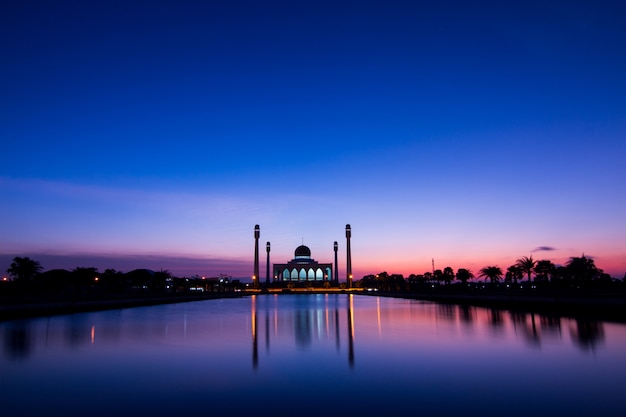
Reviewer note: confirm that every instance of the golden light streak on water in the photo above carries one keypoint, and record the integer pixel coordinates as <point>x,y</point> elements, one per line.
<point>351,316</point>
<point>378,316</point>
<point>253,322</point>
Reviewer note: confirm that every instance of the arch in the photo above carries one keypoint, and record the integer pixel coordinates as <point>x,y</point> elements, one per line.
<point>285,274</point>
<point>319,274</point>
<point>302,274</point>
<point>294,274</point>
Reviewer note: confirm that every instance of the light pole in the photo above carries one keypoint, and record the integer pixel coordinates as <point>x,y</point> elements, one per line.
<point>255,277</point>
<point>267,271</point>
<point>348,256</point>
<point>336,247</point>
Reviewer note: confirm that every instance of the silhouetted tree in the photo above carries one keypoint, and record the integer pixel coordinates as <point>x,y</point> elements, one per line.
<point>582,269</point>
<point>83,278</point>
<point>53,280</point>
<point>438,275</point>
<point>397,282</point>
<point>113,280</point>
<point>513,273</point>
<point>560,276</point>
<point>544,271</point>
<point>417,280</point>
<point>448,275</point>
<point>527,265</point>
<point>368,281</point>
<point>464,275</point>
<point>24,269</point>
<point>382,280</point>
<point>494,273</point>
<point>140,278</point>
<point>159,279</point>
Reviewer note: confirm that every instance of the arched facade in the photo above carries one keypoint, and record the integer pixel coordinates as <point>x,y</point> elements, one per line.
<point>302,268</point>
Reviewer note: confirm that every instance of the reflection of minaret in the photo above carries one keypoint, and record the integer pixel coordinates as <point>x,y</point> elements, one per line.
<point>267,271</point>
<point>350,332</point>
<point>335,246</point>
<point>337,338</point>
<point>349,257</point>
<point>267,329</point>
<point>255,344</point>
<point>257,234</point>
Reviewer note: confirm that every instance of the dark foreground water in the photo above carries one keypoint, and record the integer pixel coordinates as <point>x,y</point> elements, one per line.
<point>317,355</point>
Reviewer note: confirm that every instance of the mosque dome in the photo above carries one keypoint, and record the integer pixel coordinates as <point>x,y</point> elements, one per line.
<point>303,252</point>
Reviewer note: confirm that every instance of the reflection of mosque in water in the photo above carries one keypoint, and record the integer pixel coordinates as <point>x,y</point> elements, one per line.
<point>309,320</point>
<point>303,320</point>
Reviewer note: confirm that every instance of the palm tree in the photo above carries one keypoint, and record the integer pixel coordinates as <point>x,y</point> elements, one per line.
<point>582,269</point>
<point>494,273</point>
<point>513,273</point>
<point>464,275</point>
<point>544,271</point>
<point>527,265</point>
<point>448,275</point>
<point>438,275</point>
<point>24,269</point>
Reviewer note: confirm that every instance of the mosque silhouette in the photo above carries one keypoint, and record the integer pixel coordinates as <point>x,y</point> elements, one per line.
<point>302,268</point>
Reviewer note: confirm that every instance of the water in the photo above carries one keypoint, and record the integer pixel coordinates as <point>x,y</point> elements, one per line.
<point>301,355</point>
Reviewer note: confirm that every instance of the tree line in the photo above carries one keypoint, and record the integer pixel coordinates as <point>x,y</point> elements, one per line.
<point>27,277</point>
<point>526,272</point>
<point>579,272</point>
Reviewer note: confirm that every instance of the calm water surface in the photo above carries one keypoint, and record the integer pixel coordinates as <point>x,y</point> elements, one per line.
<point>311,355</point>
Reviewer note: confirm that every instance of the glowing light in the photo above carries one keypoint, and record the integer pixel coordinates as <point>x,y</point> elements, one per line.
<point>350,312</point>
<point>253,321</point>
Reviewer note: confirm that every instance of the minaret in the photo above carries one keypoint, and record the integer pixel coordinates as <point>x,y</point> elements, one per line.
<point>349,256</point>
<point>267,271</point>
<point>335,246</point>
<point>255,277</point>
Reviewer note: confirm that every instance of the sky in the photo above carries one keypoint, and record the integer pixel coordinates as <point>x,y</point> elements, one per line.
<point>157,134</point>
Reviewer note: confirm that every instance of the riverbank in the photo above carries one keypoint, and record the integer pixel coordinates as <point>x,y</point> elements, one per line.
<point>594,306</point>
<point>29,307</point>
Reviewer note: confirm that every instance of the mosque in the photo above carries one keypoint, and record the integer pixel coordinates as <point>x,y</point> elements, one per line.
<point>302,268</point>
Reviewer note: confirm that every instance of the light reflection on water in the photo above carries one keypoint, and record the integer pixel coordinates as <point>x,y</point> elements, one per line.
<point>315,354</point>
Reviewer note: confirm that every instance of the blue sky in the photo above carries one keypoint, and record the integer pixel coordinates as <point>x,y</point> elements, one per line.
<point>157,134</point>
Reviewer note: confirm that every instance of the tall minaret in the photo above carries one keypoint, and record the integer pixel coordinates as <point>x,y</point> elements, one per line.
<point>335,247</point>
<point>267,271</point>
<point>349,256</point>
<point>257,234</point>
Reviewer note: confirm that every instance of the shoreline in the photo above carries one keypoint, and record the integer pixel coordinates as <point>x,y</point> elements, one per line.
<point>604,307</point>
<point>590,307</point>
<point>40,307</point>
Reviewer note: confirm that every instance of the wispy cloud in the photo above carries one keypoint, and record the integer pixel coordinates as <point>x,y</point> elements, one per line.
<point>543,249</point>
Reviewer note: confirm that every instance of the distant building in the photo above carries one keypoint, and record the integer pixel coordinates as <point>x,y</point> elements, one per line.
<point>302,268</point>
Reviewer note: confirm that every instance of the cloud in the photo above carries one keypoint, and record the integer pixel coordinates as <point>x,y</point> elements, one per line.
<point>543,248</point>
